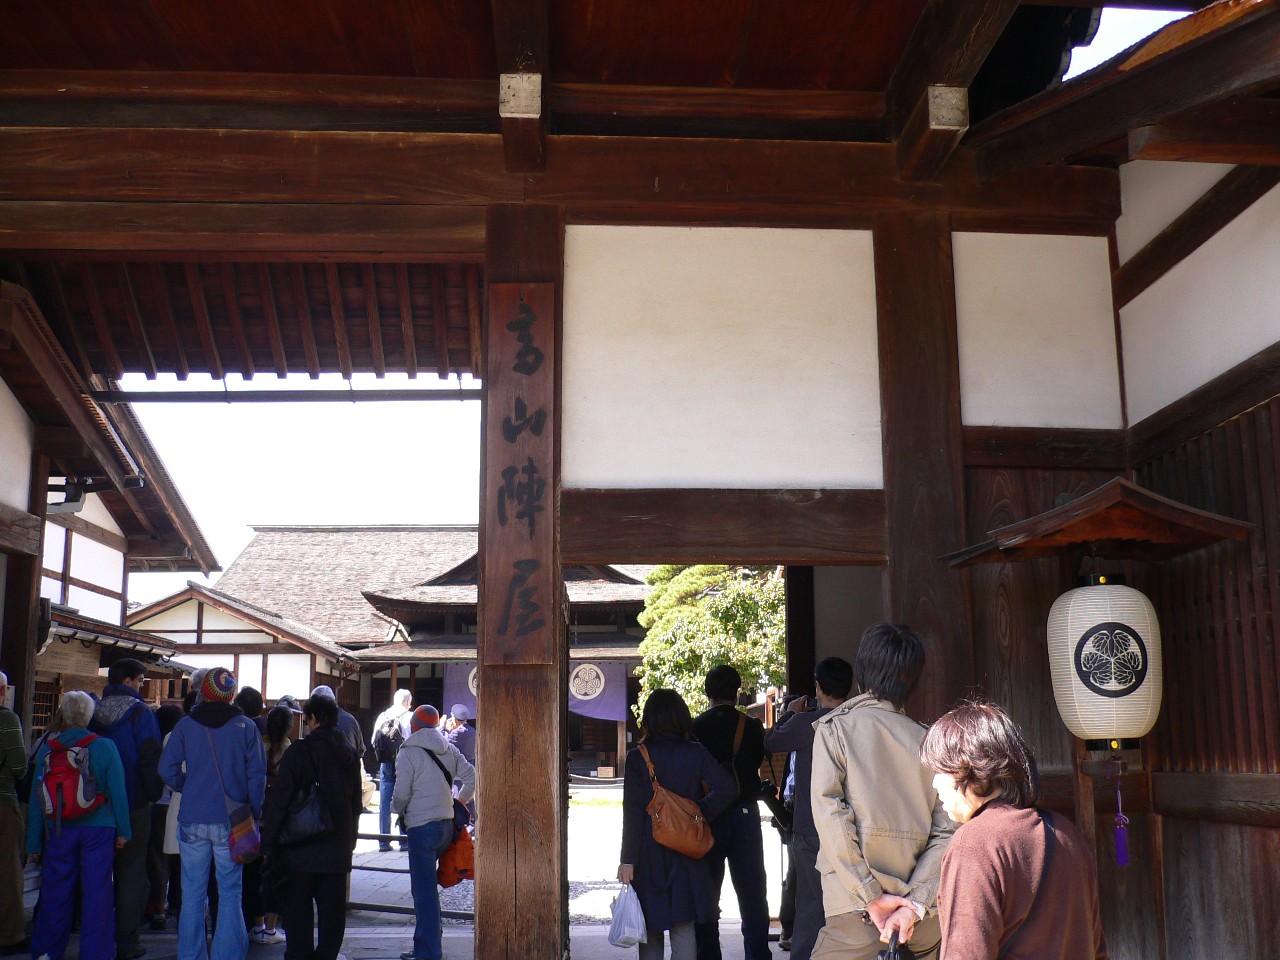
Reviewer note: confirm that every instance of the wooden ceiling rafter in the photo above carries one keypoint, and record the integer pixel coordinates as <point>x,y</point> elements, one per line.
<point>62,310</point>
<point>1240,130</point>
<point>405,302</point>
<point>306,323</point>
<point>474,320</point>
<point>338,314</point>
<point>522,40</point>
<point>230,294</point>
<point>203,324</point>
<point>440,322</point>
<point>164,307</point>
<point>130,300</point>
<point>271,319</point>
<point>110,356</point>
<point>1227,49</point>
<point>374,320</point>
<point>926,103</point>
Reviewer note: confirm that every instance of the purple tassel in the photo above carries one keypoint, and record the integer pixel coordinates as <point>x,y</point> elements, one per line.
<point>1122,841</point>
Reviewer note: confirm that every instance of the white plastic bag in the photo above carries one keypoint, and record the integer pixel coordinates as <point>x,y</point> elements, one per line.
<point>628,919</point>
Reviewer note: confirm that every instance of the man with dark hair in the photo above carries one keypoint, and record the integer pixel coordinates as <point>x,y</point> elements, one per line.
<point>881,827</point>
<point>124,718</point>
<point>250,703</point>
<point>833,679</point>
<point>737,742</point>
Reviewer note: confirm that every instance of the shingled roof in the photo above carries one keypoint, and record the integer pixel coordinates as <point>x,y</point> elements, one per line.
<point>315,575</point>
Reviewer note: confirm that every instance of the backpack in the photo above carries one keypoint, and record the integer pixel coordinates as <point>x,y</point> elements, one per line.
<point>677,821</point>
<point>68,789</point>
<point>388,740</point>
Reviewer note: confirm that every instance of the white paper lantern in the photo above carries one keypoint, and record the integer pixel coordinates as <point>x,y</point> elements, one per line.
<point>1104,656</point>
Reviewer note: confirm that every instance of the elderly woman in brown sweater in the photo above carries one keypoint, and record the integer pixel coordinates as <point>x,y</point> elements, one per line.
<point>1017,882</point>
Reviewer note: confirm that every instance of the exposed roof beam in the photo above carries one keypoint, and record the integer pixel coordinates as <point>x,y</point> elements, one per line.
<point>597,179</point>
<point>134,316</point>
<point>338,314</point>
<point>375,322</point>
<point>271,319</point>
<point>24,329</point>
<point>200,310</point>
<point>305,323</point>
<point>110,356</point>
<point>1234,131</point>
<point>64,319</point>
<point>1224,50</point>
<point>405,303</point>
<point>232,298</point>
<point>926,104</point>
<point>473,317</point>
<point>440,321</point>
<point>1224,201</point>
<point>19,531</point>
<point>164,306</point>
<point>521,41</point>
<point>262,101</point>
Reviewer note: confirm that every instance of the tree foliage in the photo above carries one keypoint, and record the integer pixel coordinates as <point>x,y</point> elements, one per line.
<point>737,616</point>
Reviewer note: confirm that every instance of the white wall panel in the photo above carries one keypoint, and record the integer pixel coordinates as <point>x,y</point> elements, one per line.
<point>288,673</point>
<point>215,619</point>
<point>250,671</point>
<point>96,513</point>
<point>97,564</point>
<point>55,547</point>
<point>17,434</point>
<point>206,661</point>
<point>94,605</point>
<point>718,357</point>
<point>1154,193</point>
<point>181,617</point>
<point>1215,309</point>
<point>51,589</point>
<point>1036,331</point>
<point>240,637</point>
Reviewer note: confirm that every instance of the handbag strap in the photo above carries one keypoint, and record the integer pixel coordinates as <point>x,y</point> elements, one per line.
<point>737,736</point>
<point>653,774</point>
<point>448,777</point>
<point>226,799</point>
<point>1046,821</point>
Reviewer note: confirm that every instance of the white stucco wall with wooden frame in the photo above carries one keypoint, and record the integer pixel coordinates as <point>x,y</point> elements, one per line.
<point>84,563</point>
<point>17,439</point>
<point>713,357</point>
<point>1213,310</point>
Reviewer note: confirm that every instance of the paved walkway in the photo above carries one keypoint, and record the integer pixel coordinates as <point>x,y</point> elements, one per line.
<point>595,830</point>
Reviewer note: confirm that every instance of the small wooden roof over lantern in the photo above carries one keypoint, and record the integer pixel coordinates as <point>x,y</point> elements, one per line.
<point>1119,520</point>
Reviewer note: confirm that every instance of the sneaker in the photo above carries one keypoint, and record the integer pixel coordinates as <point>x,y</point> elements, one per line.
<point>784,943</point>
<point>258,935</point>
<point>384,848</point>
<point>408,955</point>
<point>272,935</point>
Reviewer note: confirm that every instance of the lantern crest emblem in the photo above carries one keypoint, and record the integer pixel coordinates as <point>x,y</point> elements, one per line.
<point>1111,659</point>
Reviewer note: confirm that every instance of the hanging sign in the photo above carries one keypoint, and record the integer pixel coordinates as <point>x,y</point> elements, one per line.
<point>598,690</point>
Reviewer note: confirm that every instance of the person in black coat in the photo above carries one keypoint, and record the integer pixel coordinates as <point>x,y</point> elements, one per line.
<point>675,891</point>
<point>316,868</point>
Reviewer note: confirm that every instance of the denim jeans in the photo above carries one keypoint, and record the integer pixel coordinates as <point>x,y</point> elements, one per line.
<point>199,845</point>
<point>739,840</point>
<point>426,844</point>
<point>386,787</point>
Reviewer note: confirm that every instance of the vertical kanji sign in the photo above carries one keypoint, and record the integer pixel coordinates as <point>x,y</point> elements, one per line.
<point>521,489</point>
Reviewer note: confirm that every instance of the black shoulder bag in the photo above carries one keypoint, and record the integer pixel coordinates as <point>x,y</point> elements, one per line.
<point>308,815</point>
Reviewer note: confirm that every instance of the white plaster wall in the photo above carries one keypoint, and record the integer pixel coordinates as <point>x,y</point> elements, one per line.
<point>1215,309</point>
<point>51,589</point>
<point>215,619</point>
<point>17,436</point>
<point>251,671</point>
<point>95,563</point>
<point>181,617</point>
<point>243,636</point>
<point>846,600</point>
<point>94,605</point>
<point>1036,331</point>
<point>96,513</point>
<point>288,673</point>
<point>1155,193</point>
<point>206,661</point>
<point>720,357</point>
<point>55,547</point>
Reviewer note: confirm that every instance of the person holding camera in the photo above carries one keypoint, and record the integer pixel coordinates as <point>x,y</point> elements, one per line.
<point>793,733</point>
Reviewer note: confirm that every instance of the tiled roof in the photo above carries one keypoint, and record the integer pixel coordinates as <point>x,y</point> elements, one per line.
<point>315,575</point>
<point>464,594</point>
<point>588,647</point>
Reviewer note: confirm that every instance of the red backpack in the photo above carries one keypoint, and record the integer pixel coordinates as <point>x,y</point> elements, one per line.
<point>68,789</point>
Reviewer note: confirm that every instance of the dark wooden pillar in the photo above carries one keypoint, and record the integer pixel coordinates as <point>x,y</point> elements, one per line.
<point>522,884</point>
<point>923,449</point>
<point>22,603</point>
<point>802,635</point>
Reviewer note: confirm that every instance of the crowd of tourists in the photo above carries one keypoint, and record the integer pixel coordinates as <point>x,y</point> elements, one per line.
<point>239,822</point>
<point>929,837</point>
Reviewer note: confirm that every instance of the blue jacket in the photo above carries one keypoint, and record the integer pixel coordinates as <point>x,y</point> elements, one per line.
<point>107,770</point>
<point>125,719</point>
<point>221,748</point>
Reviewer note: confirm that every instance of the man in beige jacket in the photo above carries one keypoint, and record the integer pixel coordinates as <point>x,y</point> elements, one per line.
<point>881,828</point>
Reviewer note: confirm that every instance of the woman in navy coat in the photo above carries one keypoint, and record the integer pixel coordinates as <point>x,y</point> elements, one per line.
<point>674,890</point>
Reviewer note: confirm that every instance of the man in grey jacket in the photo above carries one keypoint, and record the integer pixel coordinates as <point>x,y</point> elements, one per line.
<point>881,827</point>
<point>426,769</point>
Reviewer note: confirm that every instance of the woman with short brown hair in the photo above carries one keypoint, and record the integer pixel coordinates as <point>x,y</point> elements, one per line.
<point>1017,883</point>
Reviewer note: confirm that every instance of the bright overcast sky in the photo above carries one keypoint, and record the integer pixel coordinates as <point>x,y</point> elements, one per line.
<point>303,463</point>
